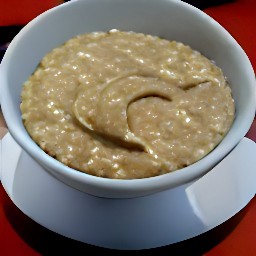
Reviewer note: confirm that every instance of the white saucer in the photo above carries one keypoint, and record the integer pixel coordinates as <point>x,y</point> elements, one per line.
<point>139,223</point>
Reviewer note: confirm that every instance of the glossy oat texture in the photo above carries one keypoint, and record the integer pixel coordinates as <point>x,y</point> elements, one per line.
<point>126,105</point>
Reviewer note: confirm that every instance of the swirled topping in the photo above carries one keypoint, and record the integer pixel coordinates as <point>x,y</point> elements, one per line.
<point>126,105</point>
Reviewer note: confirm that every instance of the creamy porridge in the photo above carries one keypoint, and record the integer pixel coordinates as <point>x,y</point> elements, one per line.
<point>126,105</point>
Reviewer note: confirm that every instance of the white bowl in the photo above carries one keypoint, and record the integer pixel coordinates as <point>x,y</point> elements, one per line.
<point>171,19</point>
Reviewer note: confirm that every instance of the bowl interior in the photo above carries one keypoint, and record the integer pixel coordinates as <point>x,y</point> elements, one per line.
<point>169,19</point>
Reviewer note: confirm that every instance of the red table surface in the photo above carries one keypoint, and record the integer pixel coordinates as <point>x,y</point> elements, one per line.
<point>19,235</point>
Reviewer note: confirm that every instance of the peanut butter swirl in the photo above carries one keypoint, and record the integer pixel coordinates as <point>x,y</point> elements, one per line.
<point>126,105</point>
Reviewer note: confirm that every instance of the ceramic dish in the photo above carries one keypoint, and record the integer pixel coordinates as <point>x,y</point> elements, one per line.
<point>170,19</point>
<point>136,223</point>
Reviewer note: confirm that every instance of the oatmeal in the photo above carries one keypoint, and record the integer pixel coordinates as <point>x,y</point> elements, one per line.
<point>126,105</point>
